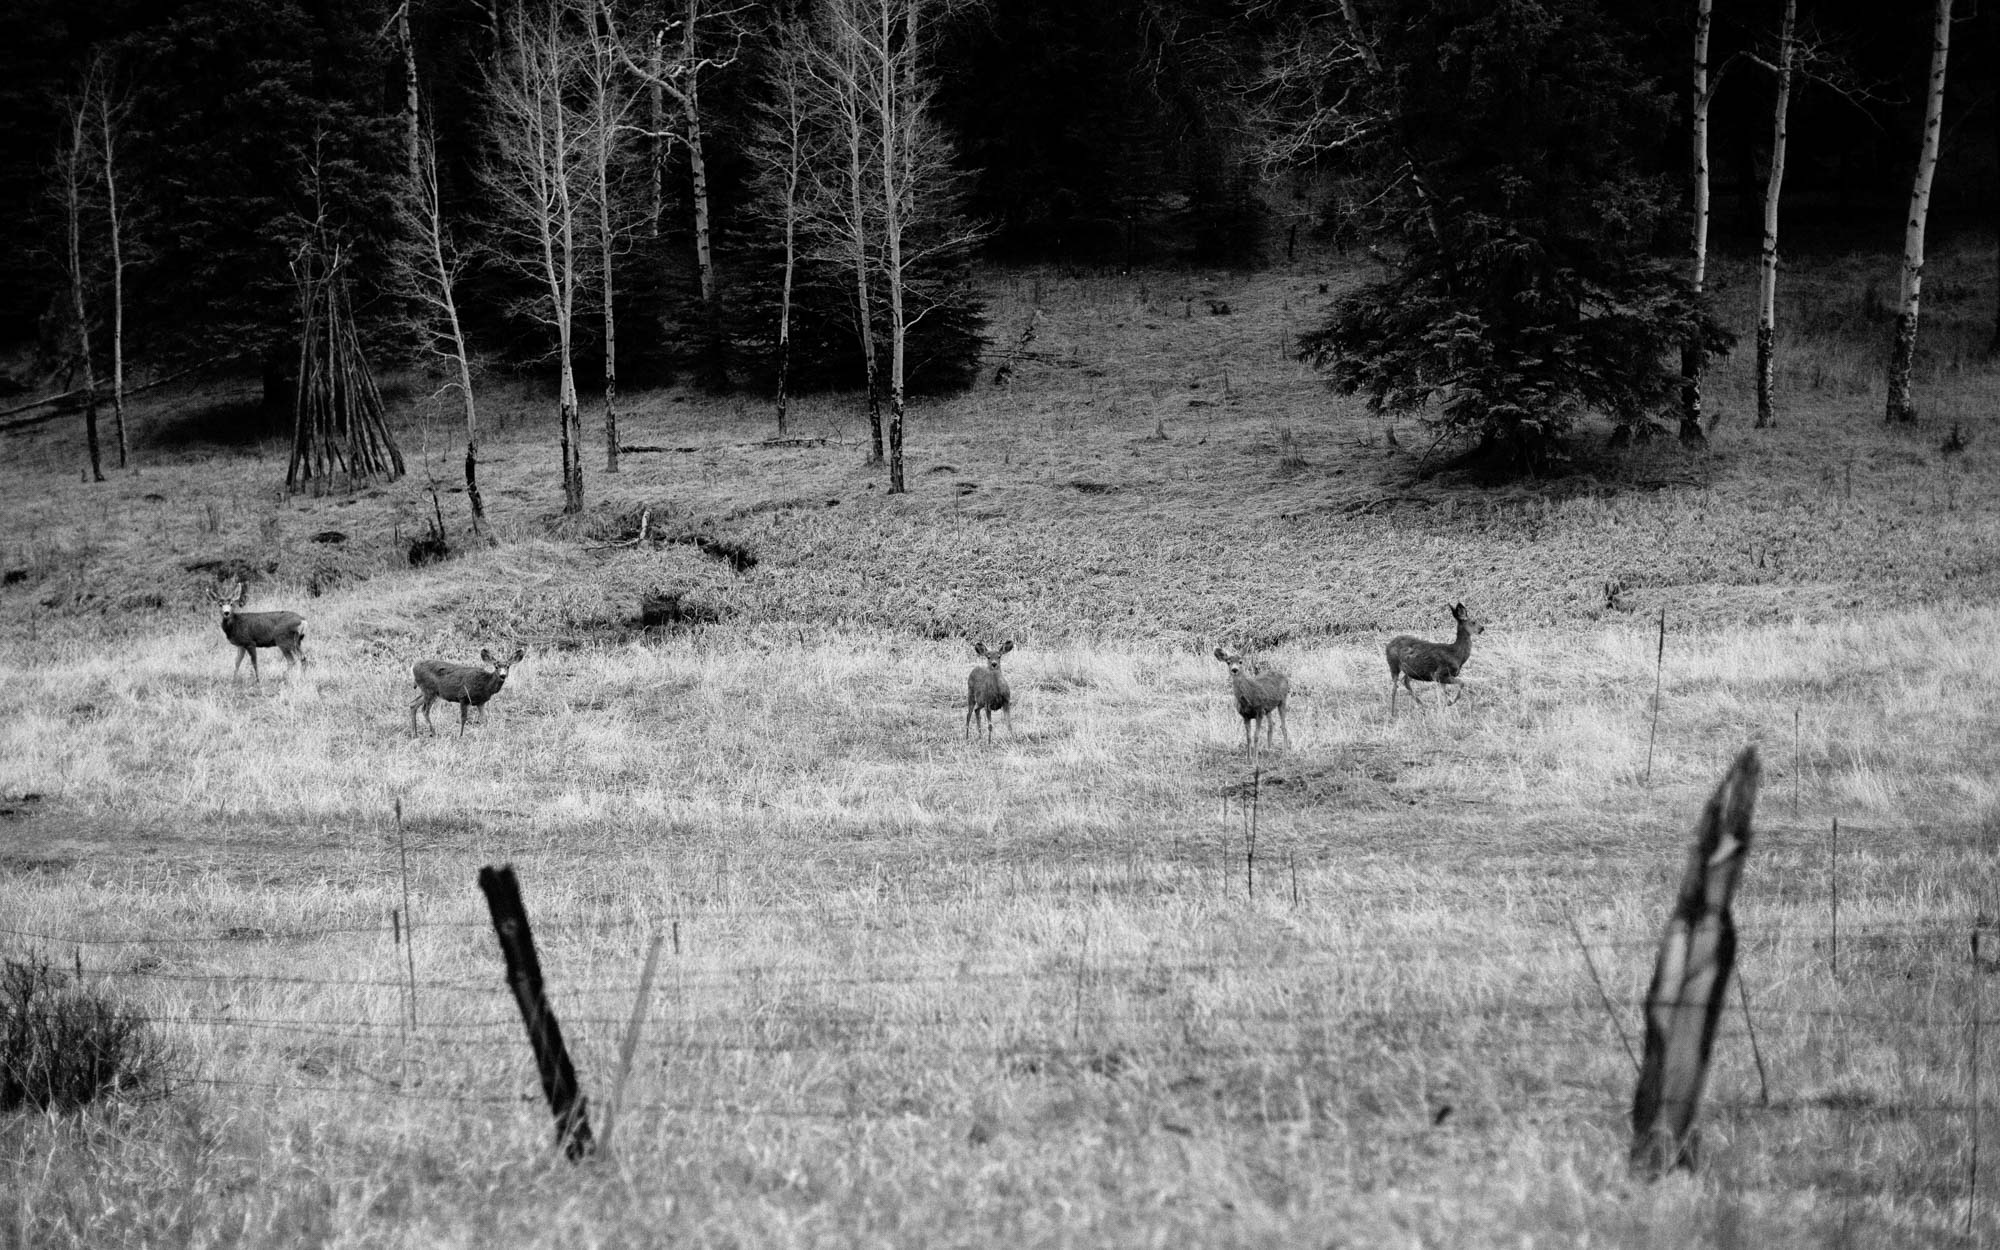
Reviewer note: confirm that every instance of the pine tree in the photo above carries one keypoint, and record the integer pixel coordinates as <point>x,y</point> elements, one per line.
<point>1529,290</point>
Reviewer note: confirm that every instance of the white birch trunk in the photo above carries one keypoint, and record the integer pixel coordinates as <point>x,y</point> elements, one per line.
<point>114,214</point>
<point>890,85</point>
<point>443,297</point>
<point>717,363</point>
<point>607,114</point>
<point>70,170</point>
<point>1903,350</point>
<point>1692,355</point>
<point>656,96</point>
<point>570,411</point>
<point>1767,256</point>
<point>857,178</point>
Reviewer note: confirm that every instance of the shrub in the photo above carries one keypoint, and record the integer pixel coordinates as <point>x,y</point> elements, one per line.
<point>64,1045</point>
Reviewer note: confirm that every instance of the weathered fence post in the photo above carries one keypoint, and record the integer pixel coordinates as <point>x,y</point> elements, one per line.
<point>1691,978</point>
<point>524,977</point>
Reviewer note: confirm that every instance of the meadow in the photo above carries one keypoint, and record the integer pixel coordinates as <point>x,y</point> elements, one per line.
<point>1094,983</point>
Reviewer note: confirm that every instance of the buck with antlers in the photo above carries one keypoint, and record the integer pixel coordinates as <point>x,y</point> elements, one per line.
<point>254,631</point>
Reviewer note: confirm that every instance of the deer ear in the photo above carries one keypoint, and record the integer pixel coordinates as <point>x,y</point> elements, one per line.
<point>979,648</point>
<point>520,653</point>
<point>487,656</point>
<point>1222,655</point>
<point>1006,646</point>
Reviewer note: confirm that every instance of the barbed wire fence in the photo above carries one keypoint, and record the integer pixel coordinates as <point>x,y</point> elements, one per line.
<point>457,1041</point>
<point>594,1006</point>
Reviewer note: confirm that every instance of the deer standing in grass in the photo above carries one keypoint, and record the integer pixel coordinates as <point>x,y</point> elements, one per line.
<point>468,685</point>
<point>1431,661</point>
<point>252,631</point>
<point>1258,695</point>
<point>986,690</point>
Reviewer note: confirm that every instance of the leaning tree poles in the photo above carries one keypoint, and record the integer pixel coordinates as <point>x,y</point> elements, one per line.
<point>339,430</point>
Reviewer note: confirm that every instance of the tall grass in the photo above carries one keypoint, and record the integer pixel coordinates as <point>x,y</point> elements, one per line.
<point>932,993</point>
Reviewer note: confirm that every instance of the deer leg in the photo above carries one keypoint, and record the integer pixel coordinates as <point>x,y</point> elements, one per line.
<point>971,714</point>
<point>1284,728</point>
<point>463,710</point>
<point>1412,692</point>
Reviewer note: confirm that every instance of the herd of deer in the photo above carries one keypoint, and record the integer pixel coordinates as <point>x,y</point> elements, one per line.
<point>1260,693</point>
<point>468,685</point>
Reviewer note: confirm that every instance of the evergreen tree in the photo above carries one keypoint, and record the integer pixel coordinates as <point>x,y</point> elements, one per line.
<point>1530,289</point>
<point>251,121</point>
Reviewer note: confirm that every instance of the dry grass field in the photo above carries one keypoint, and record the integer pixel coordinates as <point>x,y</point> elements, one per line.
<point>1059,990</point>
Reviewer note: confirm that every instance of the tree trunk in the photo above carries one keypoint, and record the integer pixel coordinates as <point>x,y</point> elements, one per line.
<point>412,134</point>
<point>785,330</point>
<point>890,106</point>
<point>605,151</point>
<point>466,404</point>
<point>569,414</point>
<point>863,311</point>
<point>610,374</point>
<point>716,365</point>
<point>116,222</point>
<point>794,159</point>
<point>1693,356</point>
<point>89,394</point>
<point>1767,257</point>
<point>784,370</point>
<point>1903,350</point>
<point>69,164</point>
<point>656,94</point>
<point>785,304</point>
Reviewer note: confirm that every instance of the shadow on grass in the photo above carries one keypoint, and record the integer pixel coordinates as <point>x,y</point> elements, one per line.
<point>236,423</point>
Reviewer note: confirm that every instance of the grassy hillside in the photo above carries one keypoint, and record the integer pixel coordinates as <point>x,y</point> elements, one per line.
<point>1058,990</point>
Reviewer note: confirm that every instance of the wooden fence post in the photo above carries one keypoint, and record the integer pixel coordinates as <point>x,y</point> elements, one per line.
<point>1691,978</point>
<point>524,977</point>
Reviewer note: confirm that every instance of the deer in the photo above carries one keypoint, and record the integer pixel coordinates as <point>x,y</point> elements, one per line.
<point>986,690</point>
<point>1431,661</point>
<point>468,685</point>
<point>1258,695</point>
<point>253,631</point>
